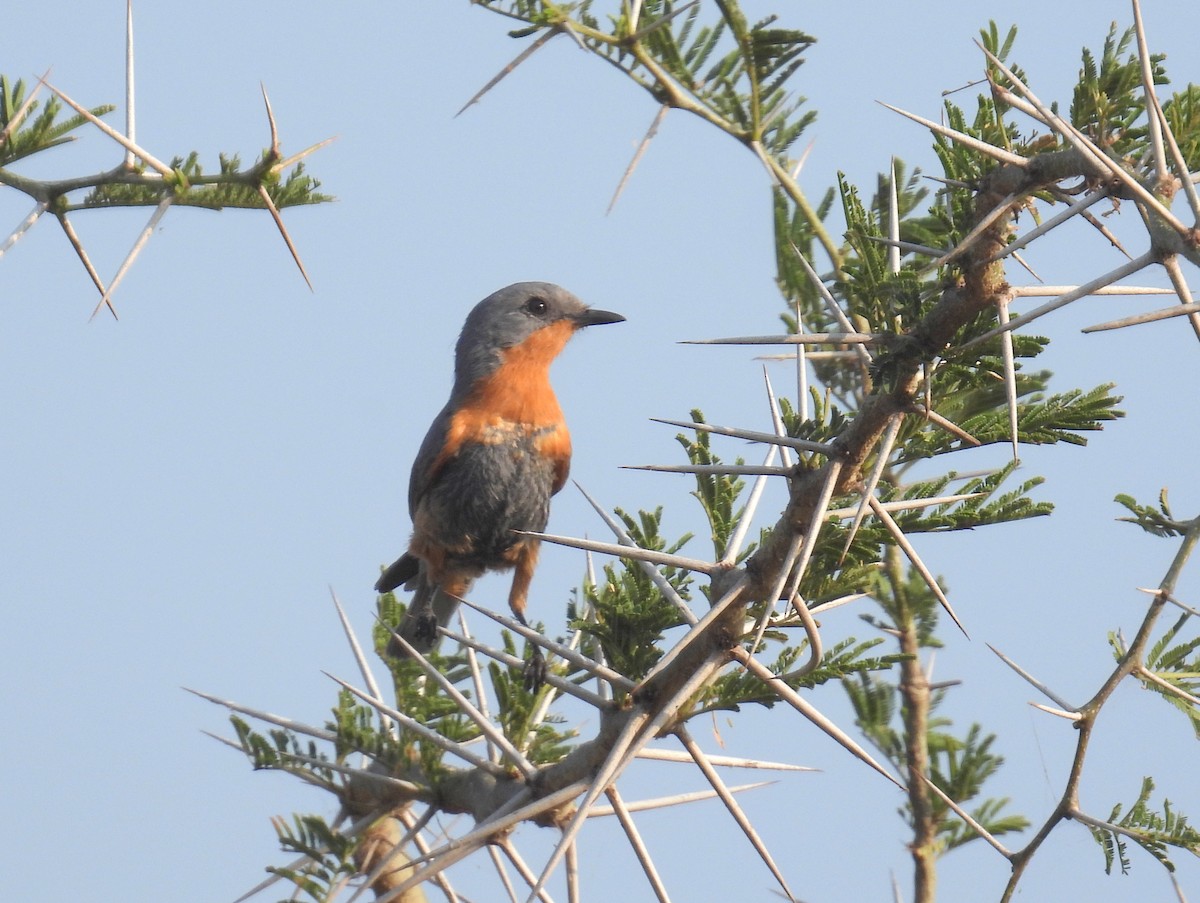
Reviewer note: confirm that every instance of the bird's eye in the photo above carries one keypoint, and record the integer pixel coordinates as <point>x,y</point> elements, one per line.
<point>537,306</point>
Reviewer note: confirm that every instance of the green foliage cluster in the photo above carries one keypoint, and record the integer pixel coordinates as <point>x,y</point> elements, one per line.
<point>330,854</point>
<point>38,127</point>
<point>1108,105</point>
<point>1155,521</point>
<point>1171,671</point>
<point>230,187</point>
<point>538,738</point>
<point>716,493</point>
<point>37,132</point>
<point>959,766</point>
<point>627,614</point>
<point>1154,832</point>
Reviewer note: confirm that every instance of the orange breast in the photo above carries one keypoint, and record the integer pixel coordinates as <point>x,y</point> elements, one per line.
<point>516,399</point>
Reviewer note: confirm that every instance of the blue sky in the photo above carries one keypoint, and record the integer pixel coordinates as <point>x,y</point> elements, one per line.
<point>182,489</point>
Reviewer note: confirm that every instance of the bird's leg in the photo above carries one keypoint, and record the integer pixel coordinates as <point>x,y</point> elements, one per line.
<point>526,560</point>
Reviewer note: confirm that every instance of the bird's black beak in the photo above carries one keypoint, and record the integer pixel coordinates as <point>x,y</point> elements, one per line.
<point>593,317</point>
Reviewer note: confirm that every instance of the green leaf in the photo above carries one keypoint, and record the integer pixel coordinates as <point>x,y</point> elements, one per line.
<point>1154,831</point>
<point>1157,522</point>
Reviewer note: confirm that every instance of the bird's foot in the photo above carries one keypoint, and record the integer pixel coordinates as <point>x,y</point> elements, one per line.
<point>425,630</point>
<point>534,672</point>
<point>421,635</point>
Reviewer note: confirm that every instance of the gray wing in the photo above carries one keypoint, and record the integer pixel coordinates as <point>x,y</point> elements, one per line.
<point>422,475</point>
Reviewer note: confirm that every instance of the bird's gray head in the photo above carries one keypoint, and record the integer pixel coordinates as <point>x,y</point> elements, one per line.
<point>505,319</point>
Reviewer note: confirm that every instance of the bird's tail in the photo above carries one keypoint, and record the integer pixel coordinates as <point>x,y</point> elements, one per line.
<point>429,609</point>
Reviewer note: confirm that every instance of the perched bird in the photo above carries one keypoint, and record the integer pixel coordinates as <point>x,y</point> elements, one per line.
<point>490,462</point>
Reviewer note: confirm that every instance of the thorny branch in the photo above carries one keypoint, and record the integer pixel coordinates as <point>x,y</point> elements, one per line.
<point>561,793</point>
<point>140,179</point>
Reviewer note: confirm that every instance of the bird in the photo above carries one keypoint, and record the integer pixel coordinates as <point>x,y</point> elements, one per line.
<point>490,462</point>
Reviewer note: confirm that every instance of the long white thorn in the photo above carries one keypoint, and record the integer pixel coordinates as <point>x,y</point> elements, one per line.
<point>494,852</point>
<point>1152,316</point>
<point>966,817</point>
<point>648,568</point>
<point>776,416</point>
<point>1166,686</point>
<point>777,591</point>
<point>24,226</point>
<point>801,367</point>
<point>1049,694</point>
<point>359,773</point>
<point>159,212</point>
<point>800,704</point>
<point>917,563</point>
<point>82,254</point>
<point>355,648</point>
<point>286,723</point>
<point>527,874</point>
<point>512,813</point>
<point>1179,282</point>
<point>409,723</point>
<point>638,731</point>
<point>734,546</point>
<point>881,460</point>
<point>837,603</point>
<point>732,806</point>
<point>971,237</point>
<point>910,247</point>
<point>552,679</point>
<point>639,846</point>
<point>911,504</point>
<point>1010,372</point>
<point>485,725</point>
<point>1052,291</point>
<point>821,448</point>
<point>130,97</point>
<point>1078,206</point>
<point>731,470</point>
<point>1080,291</point>
<point>518,60</point>
<point>265,196</point>
<point>638,154</point>
<point>831,304</point>
<point>606,774</point>
<point>563,652</point>
<point>850,337</point>
<point>982,147</point>
<point>948,425</point>
<point>677,799</point>
<point>674,755</point>
<point>1158,592</point>
<point>572,862</point>
<point>476,677</point>
<point>620,551</point>
<point>148,158</point>
<point>1154,126</point>
<point>16,119</point>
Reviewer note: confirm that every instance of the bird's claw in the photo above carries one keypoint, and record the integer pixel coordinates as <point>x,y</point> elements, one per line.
<point>421,637</point>
<point>534,672</point>
<point>426,628</point>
